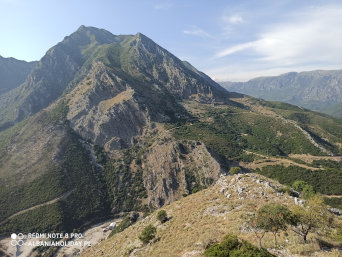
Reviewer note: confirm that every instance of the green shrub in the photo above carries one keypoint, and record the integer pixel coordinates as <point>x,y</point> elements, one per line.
<point>100,154</point>
<point>230,246</point>
<point>148,234</point>
<point>230,242</point>
<point>162,216</point>
<point>284,190</point>
<point>234,170</point>
<point>248,250</point>
<point>195,190</point>
<point>216,250</point>
<point>303,187</point>
<point>299,185</point>
<point>125,223</point>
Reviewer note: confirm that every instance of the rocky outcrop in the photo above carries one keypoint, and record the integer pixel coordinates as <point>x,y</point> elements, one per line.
<point>154,63</point>
<point>173,169</point>
<point>102,109</point>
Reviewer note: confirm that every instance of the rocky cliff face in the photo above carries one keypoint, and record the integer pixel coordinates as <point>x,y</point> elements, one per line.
<point>102,109</point>
<point>173,169</point>
<point>158,65</point>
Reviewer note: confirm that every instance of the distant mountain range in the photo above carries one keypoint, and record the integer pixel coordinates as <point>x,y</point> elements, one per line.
<point>13,72</point>
<point>315,90</point>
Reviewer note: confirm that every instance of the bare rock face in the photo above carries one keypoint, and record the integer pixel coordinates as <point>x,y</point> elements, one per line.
<point>173,169</point>
<point>154,63</point>
<point>102,109</point>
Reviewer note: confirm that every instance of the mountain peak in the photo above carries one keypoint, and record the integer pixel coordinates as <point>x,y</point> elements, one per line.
<point>86,33</point>
<point>141,36</point>
<point>84,28</point>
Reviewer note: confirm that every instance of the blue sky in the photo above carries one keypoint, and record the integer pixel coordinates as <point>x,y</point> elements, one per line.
<point>232,40</point>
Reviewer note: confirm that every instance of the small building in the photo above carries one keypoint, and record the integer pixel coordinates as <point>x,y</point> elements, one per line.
<point>112,225</point>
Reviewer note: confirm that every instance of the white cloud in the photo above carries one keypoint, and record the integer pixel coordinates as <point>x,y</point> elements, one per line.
<point>234,19</point>
<point>230,22</point>
<point>195,31</point>
<point>312,36</point>
<point>235,49</point>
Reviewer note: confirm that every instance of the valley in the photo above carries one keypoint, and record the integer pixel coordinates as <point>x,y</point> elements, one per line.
<point>114,127</point>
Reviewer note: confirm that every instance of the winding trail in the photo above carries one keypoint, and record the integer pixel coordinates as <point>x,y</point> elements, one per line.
<point>61,197</point>
<point>333,196</point>
<point>270,160</point>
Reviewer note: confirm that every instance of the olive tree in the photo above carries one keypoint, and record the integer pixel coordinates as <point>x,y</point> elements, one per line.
<point>310,217</point>
<point>272,218</point>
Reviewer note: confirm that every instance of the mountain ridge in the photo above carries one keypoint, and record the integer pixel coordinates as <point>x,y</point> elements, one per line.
<point>317,90</point>
<point>72,57</point>
<point>13,72</point>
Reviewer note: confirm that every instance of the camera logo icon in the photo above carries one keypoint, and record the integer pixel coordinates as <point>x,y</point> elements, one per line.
<point>17,239</point>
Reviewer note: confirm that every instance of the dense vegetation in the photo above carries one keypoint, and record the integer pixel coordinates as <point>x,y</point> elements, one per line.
<point>319,126</point>
<point>75,175</point>
<point>334,202</point>
<point>80,175</point>
<point>125,188</point>
<point>33,221</point>
<point>30,194</point>
<point>323,181</point>
<point>232,130</point>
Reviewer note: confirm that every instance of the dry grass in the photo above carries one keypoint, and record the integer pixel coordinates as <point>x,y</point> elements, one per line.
<point>266,161</point>
<point>119,98</point>
<point>77,94</point>
<point>203,218</point>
